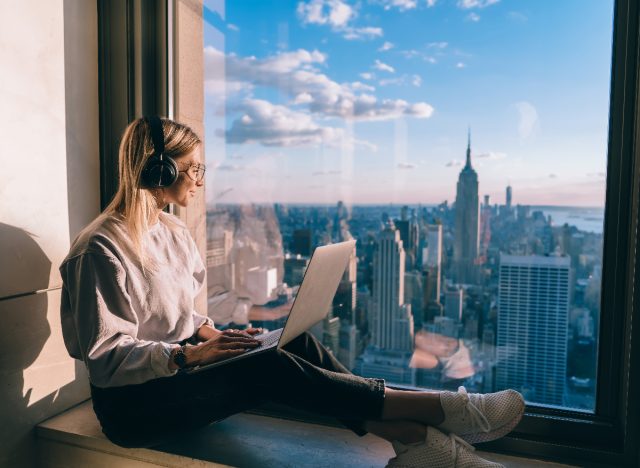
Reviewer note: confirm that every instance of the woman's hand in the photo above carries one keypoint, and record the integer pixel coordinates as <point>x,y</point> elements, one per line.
<point>225,345</point>
<point>250,331</point>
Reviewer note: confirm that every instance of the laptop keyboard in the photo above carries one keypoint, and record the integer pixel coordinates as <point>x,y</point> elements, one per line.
<point>267,339</point>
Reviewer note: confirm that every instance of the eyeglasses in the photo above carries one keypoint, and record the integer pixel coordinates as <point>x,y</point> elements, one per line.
<point>195,172</point>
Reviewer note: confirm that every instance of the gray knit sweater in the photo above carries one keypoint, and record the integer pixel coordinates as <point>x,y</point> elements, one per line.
<point>123,323</point>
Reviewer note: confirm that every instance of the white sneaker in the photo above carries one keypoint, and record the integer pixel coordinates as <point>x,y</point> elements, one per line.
<point>438,451</point>
<point>480,418</point>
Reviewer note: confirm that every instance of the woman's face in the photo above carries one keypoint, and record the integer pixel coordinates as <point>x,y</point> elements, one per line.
<point>183,189</point>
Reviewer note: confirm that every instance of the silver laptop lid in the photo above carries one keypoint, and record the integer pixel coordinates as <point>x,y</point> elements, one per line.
<point>319,285</point>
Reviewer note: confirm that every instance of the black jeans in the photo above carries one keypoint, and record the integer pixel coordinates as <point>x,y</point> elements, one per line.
<point>303,374</point>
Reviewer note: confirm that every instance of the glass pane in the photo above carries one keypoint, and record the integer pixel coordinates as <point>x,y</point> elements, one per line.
<point>462,143</point>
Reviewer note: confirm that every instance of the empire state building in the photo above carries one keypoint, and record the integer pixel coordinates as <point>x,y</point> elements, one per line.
<point>466,245</point>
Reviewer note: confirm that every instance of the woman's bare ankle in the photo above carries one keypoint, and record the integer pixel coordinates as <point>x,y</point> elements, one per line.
<point>423,407</point>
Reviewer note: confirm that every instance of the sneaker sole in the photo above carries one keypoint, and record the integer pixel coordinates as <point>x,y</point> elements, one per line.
<point>497,433</point>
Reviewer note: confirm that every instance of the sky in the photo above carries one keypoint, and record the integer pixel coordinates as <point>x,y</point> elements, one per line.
<point>372,101</point>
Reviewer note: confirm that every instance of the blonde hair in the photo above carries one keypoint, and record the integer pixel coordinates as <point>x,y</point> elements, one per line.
<point>134,204</point>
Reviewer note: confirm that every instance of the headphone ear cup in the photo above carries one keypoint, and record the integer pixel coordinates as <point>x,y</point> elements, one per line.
<point>169,172</point>
<point>160,172</point>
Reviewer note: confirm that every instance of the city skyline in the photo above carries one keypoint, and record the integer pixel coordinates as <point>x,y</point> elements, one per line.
<point>320,101</point>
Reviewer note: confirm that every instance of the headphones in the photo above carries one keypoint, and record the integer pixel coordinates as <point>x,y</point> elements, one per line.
<point>159,170</point>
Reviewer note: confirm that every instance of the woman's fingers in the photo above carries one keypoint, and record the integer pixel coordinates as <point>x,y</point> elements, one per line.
<point>237,338</point>
<point>236,333</point>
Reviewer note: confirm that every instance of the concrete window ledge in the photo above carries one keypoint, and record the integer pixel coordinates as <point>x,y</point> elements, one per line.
<point>74,439</point>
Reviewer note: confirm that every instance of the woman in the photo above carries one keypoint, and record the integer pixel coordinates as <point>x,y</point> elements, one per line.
<point>129,284</point>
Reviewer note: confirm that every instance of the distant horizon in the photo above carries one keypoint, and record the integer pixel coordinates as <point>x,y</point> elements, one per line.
<point>426,205</point>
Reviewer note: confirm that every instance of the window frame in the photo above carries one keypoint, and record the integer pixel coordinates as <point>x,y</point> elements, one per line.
<point>608,437</point>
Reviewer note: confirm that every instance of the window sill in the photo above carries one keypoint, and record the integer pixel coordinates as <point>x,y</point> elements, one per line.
<point>74,438</point>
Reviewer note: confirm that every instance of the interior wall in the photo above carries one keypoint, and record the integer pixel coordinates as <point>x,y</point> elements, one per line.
<point>49,189</point>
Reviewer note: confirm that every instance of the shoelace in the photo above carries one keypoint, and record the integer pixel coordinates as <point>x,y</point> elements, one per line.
<point>475,415</point>
<point>454,449</point>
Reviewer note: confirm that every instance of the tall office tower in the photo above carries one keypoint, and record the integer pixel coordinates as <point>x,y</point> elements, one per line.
<point>392,327</point>
<point>533,314</point>
<point>414,294</point>
<point>348,345</point>
<point>453,303</point>
<point>409,234</point>
<point>466,241</point>
<point>509,197</point>
<point>485,229</point>
<point>301,242</point>
<point>220,268</point>
<point>432,263</point>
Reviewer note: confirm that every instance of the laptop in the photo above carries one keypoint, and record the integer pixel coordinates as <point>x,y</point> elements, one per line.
<point>311,305</point>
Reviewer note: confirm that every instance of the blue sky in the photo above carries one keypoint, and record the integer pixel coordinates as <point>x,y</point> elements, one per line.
<point>371,101</point>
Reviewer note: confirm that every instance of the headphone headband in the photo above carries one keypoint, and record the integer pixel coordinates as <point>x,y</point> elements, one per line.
<point>159,170</point>
<point>157,135</point>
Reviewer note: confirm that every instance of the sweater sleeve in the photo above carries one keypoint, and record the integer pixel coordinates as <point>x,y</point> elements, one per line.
<point>106,326</point>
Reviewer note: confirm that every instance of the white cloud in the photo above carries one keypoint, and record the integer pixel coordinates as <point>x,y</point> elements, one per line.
<point>468,4</point>
<point>273,125</point>
<point>437,45</point>
<point>473,17</point>
<point>454,163</point>
<point>406,166</point>
<point>333,12</point>
<point>401,4</point>
<point>338,15</point>
<point>303,98</point>
<point>233,27</point>
<point>284,72</point>
<point>386,46</point>
<point>367,76</point>
<point>403,80</point>
<point>362,33</point>
<point>378,65</point>
<point>359,86</point>
<point>412,53</point>
<point>404,5</point>
<point>460,65</point>
<point>528,119</point>
<point>492,156</point>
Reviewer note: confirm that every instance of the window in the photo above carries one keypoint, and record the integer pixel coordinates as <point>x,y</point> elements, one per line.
<point>281,161</point>
<point>330,120</point>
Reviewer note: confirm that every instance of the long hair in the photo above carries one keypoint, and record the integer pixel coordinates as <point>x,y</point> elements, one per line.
<point>134,204</point>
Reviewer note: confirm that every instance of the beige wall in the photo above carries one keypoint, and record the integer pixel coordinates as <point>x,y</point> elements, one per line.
<point>49,189</point>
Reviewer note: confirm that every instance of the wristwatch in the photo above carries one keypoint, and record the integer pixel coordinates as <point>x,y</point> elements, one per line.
<point>180,358</point>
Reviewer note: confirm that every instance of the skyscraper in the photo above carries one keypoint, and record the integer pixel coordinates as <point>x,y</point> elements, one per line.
<point>466,242</point>
<point>508,197</point>
<point>392,327</point>
<point>533,313</point>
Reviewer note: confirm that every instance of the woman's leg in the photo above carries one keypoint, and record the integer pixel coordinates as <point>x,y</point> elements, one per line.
<point>421,406</point>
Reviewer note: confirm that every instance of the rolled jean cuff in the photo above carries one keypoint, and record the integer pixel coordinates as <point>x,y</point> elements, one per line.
<point>377,399</point>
